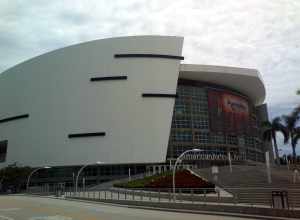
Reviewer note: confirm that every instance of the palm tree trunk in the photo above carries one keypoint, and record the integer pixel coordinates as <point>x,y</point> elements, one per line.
<point>294,152</point>
<point>276,150</point>
<point>293,147</point>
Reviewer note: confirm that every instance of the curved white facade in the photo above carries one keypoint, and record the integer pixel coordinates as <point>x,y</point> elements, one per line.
<point>55,90</point>
<point>244,80</point>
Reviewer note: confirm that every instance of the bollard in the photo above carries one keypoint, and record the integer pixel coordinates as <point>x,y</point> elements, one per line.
<point>105,194</point>
<point>169,192</point>
<point>149,196</point>
<point>180,197</point>
<point>205,196</point>
<point>118,195</point>
<point>192,193</point>
<point>158,195</point>
<point>111,195</point>
<point>133,195</point>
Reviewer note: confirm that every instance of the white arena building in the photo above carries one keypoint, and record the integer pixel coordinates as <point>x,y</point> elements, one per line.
<point>128,102</point>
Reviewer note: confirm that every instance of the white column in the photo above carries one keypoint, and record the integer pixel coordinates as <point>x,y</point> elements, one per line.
<point>268,167</point>
<point>154,170</point>
<point>129,175</point>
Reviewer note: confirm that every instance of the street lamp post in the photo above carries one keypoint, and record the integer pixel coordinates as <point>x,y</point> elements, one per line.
<point>267,155</point>
<point>230,162</point>
<point>80,170</point>
<point>34,171</point>
<point>174,168</point>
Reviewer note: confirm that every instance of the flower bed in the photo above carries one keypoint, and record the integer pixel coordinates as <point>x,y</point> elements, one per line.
<point>184,180</point>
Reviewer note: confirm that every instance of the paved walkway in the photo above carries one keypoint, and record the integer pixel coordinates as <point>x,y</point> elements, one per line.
<point>37,208</point>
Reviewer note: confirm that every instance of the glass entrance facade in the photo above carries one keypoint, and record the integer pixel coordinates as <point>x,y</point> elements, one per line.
<point>195,125</point>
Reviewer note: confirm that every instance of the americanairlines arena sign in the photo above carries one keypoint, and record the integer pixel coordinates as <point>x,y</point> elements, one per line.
<point>202,156</point>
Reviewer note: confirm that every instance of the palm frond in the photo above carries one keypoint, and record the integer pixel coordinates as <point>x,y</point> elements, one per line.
<point>295,137</point>
<point>290,121</point>
<point>279,127</point>
<point>276,120</point>
<point>266,124</point>
<point>296,113</point>
<point>285,132</point>
<point>267,135</point>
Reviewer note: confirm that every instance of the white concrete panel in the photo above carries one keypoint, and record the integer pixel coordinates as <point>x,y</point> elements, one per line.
<point>247,81</point>
<point>56,91</point>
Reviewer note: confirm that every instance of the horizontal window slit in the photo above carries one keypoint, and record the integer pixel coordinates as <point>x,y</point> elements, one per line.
<point>135,55</point>
<point>94,134</point>
<point>106,78</point>
<point>161,95</point>
<point>14,118</point>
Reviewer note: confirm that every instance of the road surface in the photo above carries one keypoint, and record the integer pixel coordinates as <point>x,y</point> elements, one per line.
<point>37,208</point>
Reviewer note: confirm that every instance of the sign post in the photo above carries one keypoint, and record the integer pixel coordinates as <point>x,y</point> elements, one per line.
<point>230,163</point>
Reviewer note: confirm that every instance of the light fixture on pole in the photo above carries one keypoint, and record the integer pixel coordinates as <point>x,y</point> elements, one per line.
<point>81,169</point>
<point>177,161</point>
<point>34,171</point>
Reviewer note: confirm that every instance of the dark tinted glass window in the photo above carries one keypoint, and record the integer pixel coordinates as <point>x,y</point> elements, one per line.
<point>3,150</point>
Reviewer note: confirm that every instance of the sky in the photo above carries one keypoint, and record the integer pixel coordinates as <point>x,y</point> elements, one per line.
<point>260,34</point>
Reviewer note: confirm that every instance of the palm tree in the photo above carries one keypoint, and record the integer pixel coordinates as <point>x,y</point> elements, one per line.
<point>291,122</point>
<point>269,133</point>
<point>295,139</point>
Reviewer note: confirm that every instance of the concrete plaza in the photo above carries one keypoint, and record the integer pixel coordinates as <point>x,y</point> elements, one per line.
<point>37,208</point>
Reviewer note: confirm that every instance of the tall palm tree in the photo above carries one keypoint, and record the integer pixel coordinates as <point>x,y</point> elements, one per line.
<point>295,139</point>
<point>291,123</point>
<point>270,128</point>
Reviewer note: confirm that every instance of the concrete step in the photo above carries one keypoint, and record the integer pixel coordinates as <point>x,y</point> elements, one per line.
<point>255,177</point>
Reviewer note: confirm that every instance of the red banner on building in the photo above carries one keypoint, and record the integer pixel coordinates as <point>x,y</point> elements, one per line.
<point>228,113</point>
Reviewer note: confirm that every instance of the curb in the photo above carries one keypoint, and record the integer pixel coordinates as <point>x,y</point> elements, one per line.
<point>169,209</point>
<point>185,210</point>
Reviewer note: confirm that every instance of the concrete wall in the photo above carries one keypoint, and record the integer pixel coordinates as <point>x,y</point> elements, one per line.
<point>55,90</point>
